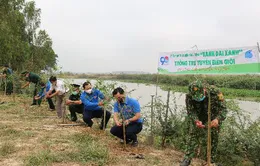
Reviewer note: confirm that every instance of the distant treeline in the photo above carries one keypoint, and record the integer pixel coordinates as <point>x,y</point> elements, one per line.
<point>251,82</point>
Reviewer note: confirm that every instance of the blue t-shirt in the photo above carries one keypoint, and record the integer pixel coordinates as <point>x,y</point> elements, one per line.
<point>48,86</point>
<point>42,92</point>
<point>128,109</point>
<point>91,100</point>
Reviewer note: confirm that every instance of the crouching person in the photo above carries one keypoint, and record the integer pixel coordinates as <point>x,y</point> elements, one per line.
<point>74,102</point>
<point>128,109</point>
<point>92,106</point>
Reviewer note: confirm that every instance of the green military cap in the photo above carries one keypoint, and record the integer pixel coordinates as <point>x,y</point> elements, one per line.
<point>75,85</point>
<point>24,72</point>
<point>197,90</point>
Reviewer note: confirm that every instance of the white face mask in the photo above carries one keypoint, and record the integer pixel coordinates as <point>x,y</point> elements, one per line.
<point>88,91</point>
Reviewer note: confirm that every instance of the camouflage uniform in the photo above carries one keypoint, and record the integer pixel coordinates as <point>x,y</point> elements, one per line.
<point>198,110</point>
<point>9,83</point>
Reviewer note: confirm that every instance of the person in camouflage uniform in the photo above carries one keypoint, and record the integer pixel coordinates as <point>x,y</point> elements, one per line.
<point>197,109</point>
<point>7,74</point>
<point>34,78</point>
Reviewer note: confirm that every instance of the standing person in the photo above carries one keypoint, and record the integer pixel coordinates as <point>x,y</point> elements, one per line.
<point>7,74</point>
<point>128,109</point>
<point>60,91</point>
<point>197,109</point>
<point>74,102</point>
<point>44,89</point>
<point>34,78</point>
<point>92,106</point>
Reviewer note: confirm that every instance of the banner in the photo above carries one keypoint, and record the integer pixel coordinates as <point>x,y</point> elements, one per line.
<point>216,61</point>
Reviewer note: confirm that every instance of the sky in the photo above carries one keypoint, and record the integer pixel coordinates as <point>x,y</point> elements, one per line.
<point>127,35</point>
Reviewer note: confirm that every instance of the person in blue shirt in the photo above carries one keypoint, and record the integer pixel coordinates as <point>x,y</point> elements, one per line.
<point>93,101</point>
<point>128,110</point>
<point>44,89</point>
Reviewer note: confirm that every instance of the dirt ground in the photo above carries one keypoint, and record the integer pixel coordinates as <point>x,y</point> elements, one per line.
<point>35,136</point>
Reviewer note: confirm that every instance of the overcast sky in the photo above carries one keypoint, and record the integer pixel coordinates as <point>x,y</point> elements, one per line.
<point>127,35</point>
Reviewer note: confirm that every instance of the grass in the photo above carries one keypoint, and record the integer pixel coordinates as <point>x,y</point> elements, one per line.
<point>29,137</point>
<point>9,132</point>
<point>7,148</point>
<point>41,158</point>
<point>241,94</point>
<point>89,150</point>
<point>81,148</point>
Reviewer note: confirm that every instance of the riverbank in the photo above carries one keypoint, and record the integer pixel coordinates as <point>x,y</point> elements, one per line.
<point>241,87</point>
<point>239,94</point>
<point>230,93</point>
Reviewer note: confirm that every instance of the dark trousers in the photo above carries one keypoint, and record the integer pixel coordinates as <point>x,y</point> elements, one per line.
<point>35,92</point>
<point>131,131</point>
<point>51,104</point>
<point>88,115</point>
<point>9,87</point>
<point>75,109</point>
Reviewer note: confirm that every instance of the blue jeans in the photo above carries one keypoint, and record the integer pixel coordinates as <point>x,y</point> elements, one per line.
<point>131,131</point>
<point>88,115</point>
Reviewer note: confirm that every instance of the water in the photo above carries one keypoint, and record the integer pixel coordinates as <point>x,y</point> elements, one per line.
<point>143,93</point>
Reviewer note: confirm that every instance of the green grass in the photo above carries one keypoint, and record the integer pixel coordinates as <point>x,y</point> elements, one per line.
<point>242,94</point>
<point>11,133</point>
<point>7,133</point>
<point>42,158</point>
<point>7,148</point>
<point>88,150</point>
<point>8,105</point>
<point>82,149</point>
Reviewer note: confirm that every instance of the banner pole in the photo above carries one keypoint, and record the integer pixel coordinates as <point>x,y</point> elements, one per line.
<point>258,57</point>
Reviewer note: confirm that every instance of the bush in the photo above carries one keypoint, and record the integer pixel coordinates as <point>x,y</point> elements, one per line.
<point>238,140</point>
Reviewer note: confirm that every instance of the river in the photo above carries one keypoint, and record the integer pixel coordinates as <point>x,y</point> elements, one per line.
<point>143,93</point>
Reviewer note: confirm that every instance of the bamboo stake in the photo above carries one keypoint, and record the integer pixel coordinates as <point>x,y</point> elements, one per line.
<point>5,85</point>
<point>104,120</point>
<point>64,110</point>
<point>124,135</point>
<point>166,117</point>
<point>209,133</point>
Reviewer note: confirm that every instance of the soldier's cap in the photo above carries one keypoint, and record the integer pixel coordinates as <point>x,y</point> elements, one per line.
<point>75,85</point>
<point>196,90</point>
<point>42,84</point>
<point>24,72</point>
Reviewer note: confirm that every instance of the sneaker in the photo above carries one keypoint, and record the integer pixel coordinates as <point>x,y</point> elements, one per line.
<point>185,162</point>
<point>33,104</point>
<point>127,141</point>
<point>134,144</point>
